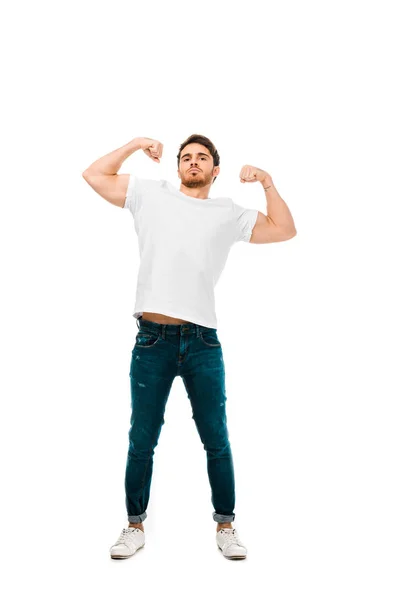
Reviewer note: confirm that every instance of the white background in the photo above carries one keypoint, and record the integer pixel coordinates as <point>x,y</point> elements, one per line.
<point>310,328</point>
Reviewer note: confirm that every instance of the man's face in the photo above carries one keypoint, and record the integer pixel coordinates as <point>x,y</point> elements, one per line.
<point>196,156</point>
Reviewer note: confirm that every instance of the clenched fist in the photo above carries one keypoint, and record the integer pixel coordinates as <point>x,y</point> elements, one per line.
<point>249,173</point>
<point>152,148</point>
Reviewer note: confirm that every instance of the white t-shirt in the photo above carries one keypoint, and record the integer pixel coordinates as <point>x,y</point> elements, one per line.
<point>183,245</point>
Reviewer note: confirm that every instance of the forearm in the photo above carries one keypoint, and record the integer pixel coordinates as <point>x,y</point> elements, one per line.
<point>111,163</point>
<point>277,210</point>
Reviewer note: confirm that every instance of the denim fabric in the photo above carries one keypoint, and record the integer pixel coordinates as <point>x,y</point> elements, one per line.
<point>161,352</point>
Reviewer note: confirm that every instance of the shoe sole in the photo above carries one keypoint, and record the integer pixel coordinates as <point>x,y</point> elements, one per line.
<point>126,556</point>
<point>238,557</point>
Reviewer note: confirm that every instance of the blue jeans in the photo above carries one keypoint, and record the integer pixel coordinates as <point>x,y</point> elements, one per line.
<point>193,352</point>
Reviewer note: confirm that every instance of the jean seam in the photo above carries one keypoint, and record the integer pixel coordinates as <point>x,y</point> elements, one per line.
<point>207,344</point>
<point>147,463</point>
<point>151,346</point>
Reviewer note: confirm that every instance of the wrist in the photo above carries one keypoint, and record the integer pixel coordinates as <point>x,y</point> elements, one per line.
<point>137,143</point>
<point>266,180</point>
<point>267,183</point>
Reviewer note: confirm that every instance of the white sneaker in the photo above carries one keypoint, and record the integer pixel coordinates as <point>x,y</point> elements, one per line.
<point>130,540</point>
<point>229,543</point>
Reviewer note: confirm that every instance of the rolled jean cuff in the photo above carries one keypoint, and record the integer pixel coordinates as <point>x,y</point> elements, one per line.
<point>137,518</point>
<point>223,518</point>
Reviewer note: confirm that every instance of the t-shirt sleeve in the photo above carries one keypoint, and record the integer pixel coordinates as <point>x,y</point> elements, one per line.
<point>244,221</point>
<point>132,194</point>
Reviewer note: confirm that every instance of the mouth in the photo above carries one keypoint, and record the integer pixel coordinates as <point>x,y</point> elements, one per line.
<point>194,171</point>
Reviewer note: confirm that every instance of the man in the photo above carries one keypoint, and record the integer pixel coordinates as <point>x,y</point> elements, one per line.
<point>184,240</point>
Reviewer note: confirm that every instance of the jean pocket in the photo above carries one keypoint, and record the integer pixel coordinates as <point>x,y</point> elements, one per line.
<point>146,339</point>
<point>210,338</point>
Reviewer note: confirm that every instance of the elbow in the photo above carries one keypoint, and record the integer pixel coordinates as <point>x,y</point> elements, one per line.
<point>290,234</point>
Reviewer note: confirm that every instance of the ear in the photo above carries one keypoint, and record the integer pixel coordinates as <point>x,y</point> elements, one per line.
<point>216,171</point>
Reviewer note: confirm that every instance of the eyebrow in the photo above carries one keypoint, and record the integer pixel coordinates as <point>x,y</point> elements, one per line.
<point>198,154</point>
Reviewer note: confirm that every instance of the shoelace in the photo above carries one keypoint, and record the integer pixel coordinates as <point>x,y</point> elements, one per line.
<point>124,535</point>
<point>231,536</point>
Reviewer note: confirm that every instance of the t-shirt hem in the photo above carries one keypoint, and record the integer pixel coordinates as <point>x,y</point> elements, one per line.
<point>182,315</point>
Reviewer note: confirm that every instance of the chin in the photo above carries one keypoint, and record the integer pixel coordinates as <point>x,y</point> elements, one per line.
<point>193,182</point>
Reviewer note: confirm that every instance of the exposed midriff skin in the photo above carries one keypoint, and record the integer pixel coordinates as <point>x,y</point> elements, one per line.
<point>163,319</point>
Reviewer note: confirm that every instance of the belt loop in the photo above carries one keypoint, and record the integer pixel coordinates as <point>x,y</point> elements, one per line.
<point>137,323</point>
<point>163,327</point>
<point>197,330</point>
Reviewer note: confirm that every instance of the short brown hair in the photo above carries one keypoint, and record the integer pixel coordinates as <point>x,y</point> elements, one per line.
<point>195,138</point>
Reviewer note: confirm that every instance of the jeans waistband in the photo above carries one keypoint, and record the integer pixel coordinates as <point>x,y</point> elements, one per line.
<point>183,328</point>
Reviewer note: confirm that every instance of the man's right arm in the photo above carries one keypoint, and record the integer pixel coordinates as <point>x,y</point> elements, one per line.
<point>102,174</point>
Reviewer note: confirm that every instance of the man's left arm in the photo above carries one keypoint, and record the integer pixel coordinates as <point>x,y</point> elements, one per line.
<point>277,225</point>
